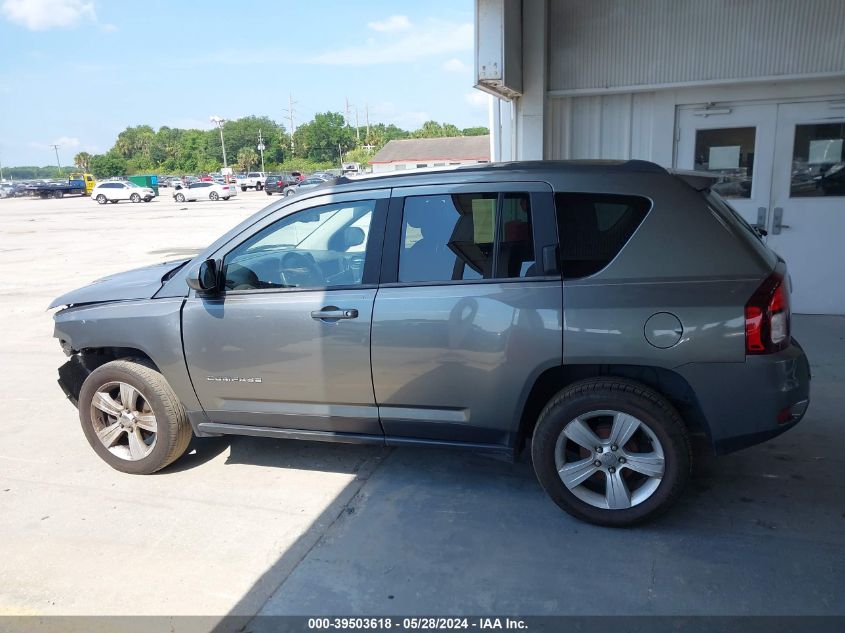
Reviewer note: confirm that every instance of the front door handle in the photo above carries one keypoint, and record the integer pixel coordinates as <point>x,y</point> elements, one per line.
<point>333,313</point>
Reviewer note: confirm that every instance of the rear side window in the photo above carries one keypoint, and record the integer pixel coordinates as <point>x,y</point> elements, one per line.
<point>466,236</point>
<point>593,228</point>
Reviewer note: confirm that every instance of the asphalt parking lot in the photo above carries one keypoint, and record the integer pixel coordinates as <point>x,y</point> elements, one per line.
<point>244,525</point>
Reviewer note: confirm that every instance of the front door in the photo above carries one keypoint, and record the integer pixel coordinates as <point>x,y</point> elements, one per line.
<point>783,169</point>
<point>287,344</point>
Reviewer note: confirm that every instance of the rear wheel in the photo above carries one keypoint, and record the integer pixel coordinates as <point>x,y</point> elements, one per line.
<point>132,418</point>
<point>268,192</point>
<point>135,197</point>
<point>289,192</point>
<point>101,199</point>
<point>213,196</point>
<point>59,194</point>
<point>611,451</point>
<point>180,197</point>
<point>148,198</point>
<point>243,188</point>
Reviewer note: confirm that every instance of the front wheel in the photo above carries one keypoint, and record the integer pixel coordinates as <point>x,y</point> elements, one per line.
<point>180,197</point>
<point>243,188</point>
<point>289,192</point>
<point>132,418</point>
<point>101,199</point>
<point>213,196</point>
<point>135,197</point>
<point>269,193</point>
<point>611,451</point>
<point>147,198</point>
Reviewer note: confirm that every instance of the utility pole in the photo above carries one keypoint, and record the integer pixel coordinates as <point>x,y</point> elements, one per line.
<point>219,121</point>
<point>290,112</point>
<point>346,116</point>
<point>261,148</point>
<point>58,162</point>
<point>357,127</point>
<point>367,116</point>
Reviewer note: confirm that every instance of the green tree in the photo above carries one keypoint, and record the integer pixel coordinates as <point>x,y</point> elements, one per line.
<point>247,158</point>
<point>433,129</point>
<point>324,138</point>
<point>475,131</point>
<point>107,165</point>
<point>82,160</point>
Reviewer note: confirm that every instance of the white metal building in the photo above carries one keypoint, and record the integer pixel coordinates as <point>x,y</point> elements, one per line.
<point>751,89</point>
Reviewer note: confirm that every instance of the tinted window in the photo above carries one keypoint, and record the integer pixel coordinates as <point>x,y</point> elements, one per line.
<point>593,228</point>
<point>452,237</point>
<point>316,248</point>
<point>818,160</point>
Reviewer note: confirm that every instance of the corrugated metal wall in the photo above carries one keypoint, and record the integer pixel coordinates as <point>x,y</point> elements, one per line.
<point>611,43</point>
<point>607,126</point>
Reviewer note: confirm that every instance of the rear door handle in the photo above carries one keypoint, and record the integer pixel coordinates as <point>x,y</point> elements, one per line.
<point>333,313</point>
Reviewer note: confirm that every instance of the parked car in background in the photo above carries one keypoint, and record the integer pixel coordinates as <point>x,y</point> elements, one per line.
<point>305,185</point>
<point>323,174</point>
<point>117,190</point>
<point>173,182</point>
<point>252,180</point>
<point>276,183</point>
<point>162,181</point>
<point>298,175</point>
<point>204,191</point>
<point>360,312</point>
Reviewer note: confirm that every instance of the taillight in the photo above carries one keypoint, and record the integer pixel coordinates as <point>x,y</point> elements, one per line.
<point>767,317</point>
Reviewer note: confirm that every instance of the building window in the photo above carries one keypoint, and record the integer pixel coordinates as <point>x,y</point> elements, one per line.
<point>421,165</point>
<point>730,153</point>
<point>818,160</point>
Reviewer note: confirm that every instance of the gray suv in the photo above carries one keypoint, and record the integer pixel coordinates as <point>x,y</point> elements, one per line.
<point>604,313</point>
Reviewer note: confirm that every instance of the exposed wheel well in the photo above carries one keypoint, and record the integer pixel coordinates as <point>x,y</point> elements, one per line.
<point>74,372</point>
<point>665,381</point>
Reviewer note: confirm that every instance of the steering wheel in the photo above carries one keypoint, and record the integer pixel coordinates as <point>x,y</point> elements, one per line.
<point>299,269</point>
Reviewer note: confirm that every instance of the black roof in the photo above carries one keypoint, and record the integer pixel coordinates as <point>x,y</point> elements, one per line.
<point>514,167</point>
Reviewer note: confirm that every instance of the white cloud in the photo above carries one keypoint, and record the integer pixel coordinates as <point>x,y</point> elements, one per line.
<point>454,65</point>
<point>69,142</point>
<point>477,99</point>
<point>392,24</point>
<point>41,15</point>
<point>434,37</point>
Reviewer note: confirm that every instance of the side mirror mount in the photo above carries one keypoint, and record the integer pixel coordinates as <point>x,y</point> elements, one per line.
<point>207,278</point>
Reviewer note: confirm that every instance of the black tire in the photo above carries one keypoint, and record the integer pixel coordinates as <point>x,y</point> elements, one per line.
<point>226,197</point>
<point>214,196</point>
<point>269,193</point>
<point>59,194</point>
<point>147,199</point>
<point>243,188</point>
<point>289,192</point>
<point>101,199</point>
<point>180,197</point>
<point>135,197</point>
<point>259,186</point>
<point>627,396</point>
<point>173,428</point>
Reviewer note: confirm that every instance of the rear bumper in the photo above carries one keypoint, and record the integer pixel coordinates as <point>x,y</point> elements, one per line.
<point>748,403</point>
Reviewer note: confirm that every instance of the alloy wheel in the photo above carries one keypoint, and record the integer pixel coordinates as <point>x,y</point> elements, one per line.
<point>123,421</point>
<point>609,459</point>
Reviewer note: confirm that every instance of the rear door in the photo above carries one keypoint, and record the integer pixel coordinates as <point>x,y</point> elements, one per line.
<point>466,317</point>
<point>287,344</point>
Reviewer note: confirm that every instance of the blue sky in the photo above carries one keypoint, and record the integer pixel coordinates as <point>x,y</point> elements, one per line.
<point>77,72</point>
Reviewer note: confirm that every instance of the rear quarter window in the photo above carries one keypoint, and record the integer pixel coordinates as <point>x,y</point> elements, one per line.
<point>593,228</point>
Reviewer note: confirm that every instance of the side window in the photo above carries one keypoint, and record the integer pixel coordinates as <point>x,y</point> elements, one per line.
<point>466,236</point>
<point>593,228</point>
<point>322,247</point>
